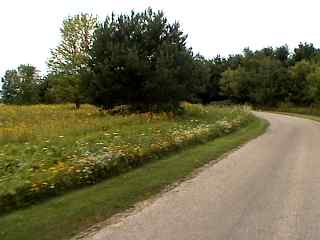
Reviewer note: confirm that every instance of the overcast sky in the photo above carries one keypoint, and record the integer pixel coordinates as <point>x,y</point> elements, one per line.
<point>30,28</point>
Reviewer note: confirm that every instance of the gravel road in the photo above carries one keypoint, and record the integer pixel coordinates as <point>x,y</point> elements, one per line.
<point>268,189</point>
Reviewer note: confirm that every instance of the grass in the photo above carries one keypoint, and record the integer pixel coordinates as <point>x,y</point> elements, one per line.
<point>311,111</point>
<point>64,216</point>
<point>46,150</point>
<point>306,116</point>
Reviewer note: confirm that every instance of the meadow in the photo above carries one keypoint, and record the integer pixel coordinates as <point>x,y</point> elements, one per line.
<point>46,150</point>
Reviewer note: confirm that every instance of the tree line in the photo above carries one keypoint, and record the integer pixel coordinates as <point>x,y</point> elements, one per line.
<point>142,61</point>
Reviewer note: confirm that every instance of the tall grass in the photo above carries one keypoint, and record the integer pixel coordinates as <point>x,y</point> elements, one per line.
<point>45,150</point>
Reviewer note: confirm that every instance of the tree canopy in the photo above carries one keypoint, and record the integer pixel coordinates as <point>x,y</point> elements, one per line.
<point>72,55</point>
<point>142,60</point>
<point>70,59</point>
<point>21,85</point>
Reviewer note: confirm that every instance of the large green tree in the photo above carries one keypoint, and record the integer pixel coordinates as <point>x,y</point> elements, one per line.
<point>141,60</point>
<point>71,58</point>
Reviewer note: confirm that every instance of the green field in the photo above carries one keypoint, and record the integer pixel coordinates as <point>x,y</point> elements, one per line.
<point>46,150</point>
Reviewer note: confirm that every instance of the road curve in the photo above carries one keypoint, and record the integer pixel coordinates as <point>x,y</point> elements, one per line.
<point>268,189</point>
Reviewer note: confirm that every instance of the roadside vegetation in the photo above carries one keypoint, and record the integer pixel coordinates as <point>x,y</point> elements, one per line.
<point>310,111</point>
<point>48,149</point>
<point>302,112</point>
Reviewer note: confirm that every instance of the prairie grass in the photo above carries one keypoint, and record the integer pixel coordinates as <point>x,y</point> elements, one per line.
<point>47,149</point>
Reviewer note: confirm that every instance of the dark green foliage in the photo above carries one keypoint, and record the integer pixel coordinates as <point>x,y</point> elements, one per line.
<point>282,54</point>
<point>268,52</point>
<point>234,61</point>
<point>21,86</point>
<point>270,76</point>
<point>261,79</point>
<point>9,86</point>
<point>299,86</point>
<point>313,86</point>
<point>212,91</point>
<point>304,51</point>
<point>141,60</point>
<point>62,88</point>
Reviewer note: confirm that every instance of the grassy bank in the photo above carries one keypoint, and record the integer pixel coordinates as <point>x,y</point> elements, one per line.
<point>311,111</point>
<point>67,215</point>
<point>47,150</point>
<point>311,117</point>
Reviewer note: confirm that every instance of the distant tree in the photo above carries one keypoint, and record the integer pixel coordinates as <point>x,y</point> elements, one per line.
<point>260,80</point>
<point>141,60</point>
<point>21,86</point>
<point>268,52</point>
<point>282,53</point>
<point>313,85</point>
<point>234,61</point>
<point>235,84</point>
<point>247,52</point>
<point>10,83</point>
<point>269,82</point>
<point>298,89</point>
<point>271,76</point>
<point>43,90</point>
<point>201,74</point>
<point>304,51</point>
<point>212,91</point>
<point>71,58</point>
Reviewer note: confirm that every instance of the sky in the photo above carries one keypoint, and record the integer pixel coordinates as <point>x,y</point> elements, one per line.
<point>29,29</point>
